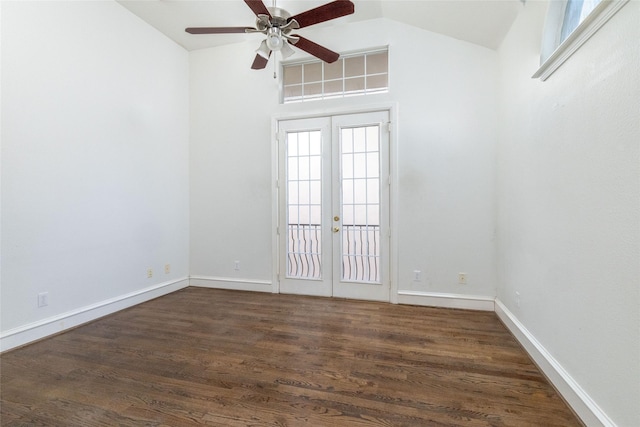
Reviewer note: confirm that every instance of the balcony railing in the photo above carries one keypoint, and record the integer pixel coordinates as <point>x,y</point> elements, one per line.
<point>360,255</point>
<point>304,251</point>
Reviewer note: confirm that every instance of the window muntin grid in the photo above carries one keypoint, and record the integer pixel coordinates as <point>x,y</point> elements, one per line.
<point>359,74</point>
<point>304,204</point>
<point>360,201</point>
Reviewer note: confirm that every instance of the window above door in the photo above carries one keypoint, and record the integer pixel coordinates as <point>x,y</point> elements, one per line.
<point>354,74</point>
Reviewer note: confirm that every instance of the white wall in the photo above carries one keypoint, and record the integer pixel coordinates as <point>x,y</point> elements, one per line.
<point>94,158</point>
<point>569,204</point>
<point>446,91</point>
<point>230,167</point>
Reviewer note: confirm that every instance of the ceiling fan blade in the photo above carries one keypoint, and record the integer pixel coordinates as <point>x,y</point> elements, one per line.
<point>316,50</point>
<point>217,30</point>
<point>259,62</point>
<point>258,7</point>
<point>323,13</point>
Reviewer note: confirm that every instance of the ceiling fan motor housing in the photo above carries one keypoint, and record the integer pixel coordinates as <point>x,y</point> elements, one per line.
<point>278,16</point>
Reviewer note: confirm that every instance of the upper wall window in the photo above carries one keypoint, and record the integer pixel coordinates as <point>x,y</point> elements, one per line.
<point>357,74</point>
<point>574,14</point>
<point>569,24</point>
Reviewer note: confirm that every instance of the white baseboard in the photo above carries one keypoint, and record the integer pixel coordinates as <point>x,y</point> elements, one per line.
<point>43,328</point>
<point>575,396</point>
<point>231,283</point>
<point>432,299</point>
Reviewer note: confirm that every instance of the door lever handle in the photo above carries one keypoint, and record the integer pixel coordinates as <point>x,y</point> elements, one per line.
<point>336,229</point>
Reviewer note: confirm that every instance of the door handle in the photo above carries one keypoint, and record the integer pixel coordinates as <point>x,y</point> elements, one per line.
<point>336,229</point>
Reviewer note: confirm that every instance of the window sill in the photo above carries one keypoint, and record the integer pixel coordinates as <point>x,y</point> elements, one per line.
<point>592,23</point>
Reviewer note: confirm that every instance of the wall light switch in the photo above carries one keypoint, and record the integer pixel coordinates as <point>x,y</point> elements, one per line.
<point>43,299</point>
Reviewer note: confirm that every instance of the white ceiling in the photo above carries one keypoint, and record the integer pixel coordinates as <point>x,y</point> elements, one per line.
<point>482,22</point>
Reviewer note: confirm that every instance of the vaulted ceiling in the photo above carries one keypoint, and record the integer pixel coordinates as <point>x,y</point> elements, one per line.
<point>482,22</point>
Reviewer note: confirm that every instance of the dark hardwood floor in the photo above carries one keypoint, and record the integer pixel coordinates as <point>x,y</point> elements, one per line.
<point>227,358</point>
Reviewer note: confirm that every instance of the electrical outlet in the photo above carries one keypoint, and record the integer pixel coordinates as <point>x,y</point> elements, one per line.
<point>417,275</point>
<point>43,299</point>
<point>236,265</point>
<point>167,268</point>
<point>462,278</point>
<point>149,273</point>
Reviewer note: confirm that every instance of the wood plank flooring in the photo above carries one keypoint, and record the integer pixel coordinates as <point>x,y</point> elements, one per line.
<point>228,358</point>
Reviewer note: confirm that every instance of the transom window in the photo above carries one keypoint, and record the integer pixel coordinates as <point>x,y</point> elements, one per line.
<point>357,74</point>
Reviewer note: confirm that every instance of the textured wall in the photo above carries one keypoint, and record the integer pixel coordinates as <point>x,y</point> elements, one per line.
<point>94,157</point>
<point>569,204</point>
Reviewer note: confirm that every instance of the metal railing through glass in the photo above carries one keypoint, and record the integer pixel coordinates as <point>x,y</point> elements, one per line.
<point>360,256</point>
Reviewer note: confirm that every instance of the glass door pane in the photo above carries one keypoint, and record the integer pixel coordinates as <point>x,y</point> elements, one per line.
<point>360,203</point>
<point>304,204</point>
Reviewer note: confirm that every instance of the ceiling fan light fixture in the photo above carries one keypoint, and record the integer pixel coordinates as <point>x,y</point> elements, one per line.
<point>274,38</point>
<point>264,50</point>
<point>286,50</point>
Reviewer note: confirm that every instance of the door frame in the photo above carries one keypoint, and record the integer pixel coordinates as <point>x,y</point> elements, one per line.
<point>392,109</point>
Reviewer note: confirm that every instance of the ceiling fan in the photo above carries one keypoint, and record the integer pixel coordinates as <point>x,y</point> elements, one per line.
<point>277,25</point>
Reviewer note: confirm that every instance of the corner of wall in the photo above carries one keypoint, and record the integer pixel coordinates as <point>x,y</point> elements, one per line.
<point>583,405</point>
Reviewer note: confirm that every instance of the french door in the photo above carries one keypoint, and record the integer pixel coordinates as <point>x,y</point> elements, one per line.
<point>334,206</point>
